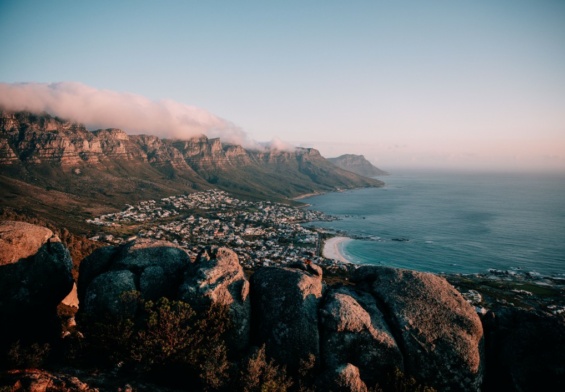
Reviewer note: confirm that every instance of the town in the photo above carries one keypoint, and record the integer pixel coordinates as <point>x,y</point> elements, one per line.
<point>262,233</point>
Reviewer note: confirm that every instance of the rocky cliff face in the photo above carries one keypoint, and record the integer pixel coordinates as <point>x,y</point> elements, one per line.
<point>52,153</point>
<point>357,164</point>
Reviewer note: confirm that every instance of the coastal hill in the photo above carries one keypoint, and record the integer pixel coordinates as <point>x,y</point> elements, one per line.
<point>66,173</point>
<point>357,164</point>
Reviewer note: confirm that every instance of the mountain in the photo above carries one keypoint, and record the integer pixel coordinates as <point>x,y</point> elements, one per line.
<point>357,164</point>
<point>66,173</point>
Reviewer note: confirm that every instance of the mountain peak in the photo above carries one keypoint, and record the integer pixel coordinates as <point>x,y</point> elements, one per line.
<point>357,164</point>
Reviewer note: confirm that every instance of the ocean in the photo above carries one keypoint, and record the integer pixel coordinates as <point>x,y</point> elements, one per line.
<point>454,222</point>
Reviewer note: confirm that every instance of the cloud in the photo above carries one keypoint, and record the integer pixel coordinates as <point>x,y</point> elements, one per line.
<point>132,113</point>
<point>278,144</point>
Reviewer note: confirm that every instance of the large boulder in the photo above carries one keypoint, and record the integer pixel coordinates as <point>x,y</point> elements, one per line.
<point>524,350</point>
<point>19,240</point>
<point>107,295</point>
<point>158,269</point>
<point>151,267</point>
<point>440,334</point>
<point>93,265</point>
<point>355,331</point>
<point>284,305</point>
<point>217,278</point>
<point>35,275</point>
<point>158,264</point>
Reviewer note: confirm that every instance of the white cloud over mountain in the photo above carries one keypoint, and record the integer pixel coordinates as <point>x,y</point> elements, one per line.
<point>135,114</point>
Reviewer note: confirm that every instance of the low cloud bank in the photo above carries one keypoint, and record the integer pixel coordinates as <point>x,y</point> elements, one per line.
<point>133,113</point>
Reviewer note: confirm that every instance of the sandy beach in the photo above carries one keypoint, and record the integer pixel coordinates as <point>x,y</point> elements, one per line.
<point>332,249</point>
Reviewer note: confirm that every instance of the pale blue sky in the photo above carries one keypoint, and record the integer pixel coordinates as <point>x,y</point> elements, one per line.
<point>472,84</point>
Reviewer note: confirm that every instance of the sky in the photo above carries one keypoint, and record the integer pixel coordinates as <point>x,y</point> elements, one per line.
<point>476,85</point>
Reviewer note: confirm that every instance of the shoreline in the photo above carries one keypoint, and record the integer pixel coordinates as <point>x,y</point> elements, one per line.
<point>305,195</point>
<point>339,190</point>
<point>331,249</point>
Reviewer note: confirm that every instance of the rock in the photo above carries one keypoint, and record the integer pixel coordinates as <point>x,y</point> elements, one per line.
<point>158,264</point>
<point>524,350</point>
<point>439,332</point>
<point>285,309</point>
<point>347,379</point>
<point>154,268</point>
<point>42,381</point>
<point>31,287</point>
<point>106,295</point>
<point>93,265</point>
<point>308,267</point>
<point>19,240</point>
<point>354,331</point>
<point>72,298</point>
<point>217,278</point>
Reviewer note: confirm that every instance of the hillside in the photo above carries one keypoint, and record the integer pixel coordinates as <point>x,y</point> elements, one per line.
<point>357,164</point>
<point>66,173</point>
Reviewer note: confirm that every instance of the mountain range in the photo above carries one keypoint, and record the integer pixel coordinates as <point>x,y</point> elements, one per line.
<point>67,173</point>
<point>357,164</point>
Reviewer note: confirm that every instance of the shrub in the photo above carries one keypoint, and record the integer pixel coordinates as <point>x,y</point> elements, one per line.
<point>262,375</point>
<point>28,355</point>
<point>168,341</point>
<point>397,381</point>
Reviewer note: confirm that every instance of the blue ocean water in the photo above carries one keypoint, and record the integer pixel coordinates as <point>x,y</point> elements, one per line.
<point>454,222</point>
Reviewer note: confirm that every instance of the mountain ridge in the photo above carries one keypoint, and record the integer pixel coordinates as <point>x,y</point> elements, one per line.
<point>357,164</point>
<point>110,167</point>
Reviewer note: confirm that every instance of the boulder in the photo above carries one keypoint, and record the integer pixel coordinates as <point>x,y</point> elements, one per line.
<point>20,240</point>
<point>524,350</point>
<point>72,298</point>
<point>347,378</point>
<point>107,295</point>
<point>217,278</point>
<point>93,265</point>
<point>32,286</point>
<point>284,304</point>
<point>354,331</point>
<point>158,264</point>
<point>439,333</point>
<point>151,267</point>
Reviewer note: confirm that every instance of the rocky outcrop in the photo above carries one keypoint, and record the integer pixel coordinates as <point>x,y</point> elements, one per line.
<point>357,164</point>
<point>216,278</point>
<point>35,275</point>
<point>285,308</point>
<point>153,268</point>
<point>19,240</point>
<point>7,155</point>
<point>389,319</point>
<point>354,331</point>
<point>158,269</point>
<point>359,332</point>
<point>438,332</point>
<point>524,350</point>
<point>346,378</point>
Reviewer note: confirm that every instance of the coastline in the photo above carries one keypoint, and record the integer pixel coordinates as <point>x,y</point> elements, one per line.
<point>305,195</point>
<point>332,249</point>
<point>318,193</point>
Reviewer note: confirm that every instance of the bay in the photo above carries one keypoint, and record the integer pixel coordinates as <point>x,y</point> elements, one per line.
<point>454,222</point>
